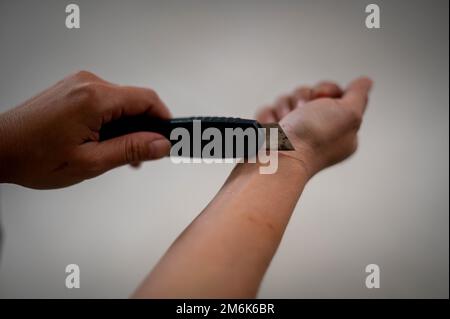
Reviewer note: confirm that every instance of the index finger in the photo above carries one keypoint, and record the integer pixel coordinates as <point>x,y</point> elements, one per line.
<point>357,93</point>
<point>130,100</point>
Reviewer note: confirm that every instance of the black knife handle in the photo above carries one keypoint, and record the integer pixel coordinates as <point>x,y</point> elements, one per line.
<point>145,123</point>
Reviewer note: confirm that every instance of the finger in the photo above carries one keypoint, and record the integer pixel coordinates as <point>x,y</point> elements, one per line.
<point>326,89</point>
<point>302,95</point>
<point>356,94</point>
<point>266,115</point>
<point>283,106</point>
<point>129,101</point>
<point>128,149</point>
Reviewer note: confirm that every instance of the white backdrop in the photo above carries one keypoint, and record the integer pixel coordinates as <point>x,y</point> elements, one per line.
<point>387,205</point>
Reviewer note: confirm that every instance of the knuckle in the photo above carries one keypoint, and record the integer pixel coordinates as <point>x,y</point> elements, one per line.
<point>327,86</point>
<point>303,88</point>
<point>83,75</point>
<point>134,151</point>
<point>151,94</point>
<point>281,100</point>
<point>302,92</point>
<point>87,91</point>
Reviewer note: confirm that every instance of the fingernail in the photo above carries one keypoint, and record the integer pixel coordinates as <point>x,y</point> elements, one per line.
<point>159,148</point>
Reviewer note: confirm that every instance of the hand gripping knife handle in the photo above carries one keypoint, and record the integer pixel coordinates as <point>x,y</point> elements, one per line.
<point>248,135</point>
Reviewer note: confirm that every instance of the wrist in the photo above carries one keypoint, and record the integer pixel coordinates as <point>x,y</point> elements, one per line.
<point>305,156</point>
<point>283,166</point>
<point>298,160</point>
<point>305,152</point>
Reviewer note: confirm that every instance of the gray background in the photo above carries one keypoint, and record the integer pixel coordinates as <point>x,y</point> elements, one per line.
<point>386,205</point>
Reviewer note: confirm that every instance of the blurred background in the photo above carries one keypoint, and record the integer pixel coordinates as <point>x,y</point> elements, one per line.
<point>387,205</point>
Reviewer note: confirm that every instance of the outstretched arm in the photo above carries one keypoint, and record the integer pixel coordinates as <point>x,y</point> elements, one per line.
<point>226,250</point>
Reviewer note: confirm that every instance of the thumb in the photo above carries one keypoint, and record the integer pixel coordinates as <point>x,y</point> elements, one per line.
<point>131,148</point>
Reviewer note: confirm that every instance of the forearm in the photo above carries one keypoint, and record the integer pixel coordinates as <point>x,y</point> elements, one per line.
<point>228,247</point>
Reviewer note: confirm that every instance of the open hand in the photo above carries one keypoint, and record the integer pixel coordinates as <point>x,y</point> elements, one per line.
<point>322,122</point>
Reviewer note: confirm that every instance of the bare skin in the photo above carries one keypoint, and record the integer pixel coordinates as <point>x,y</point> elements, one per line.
<point>225,251</point>
<point>51,140</point>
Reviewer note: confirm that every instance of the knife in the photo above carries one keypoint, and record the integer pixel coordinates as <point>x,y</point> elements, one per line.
<point>144,123</point>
